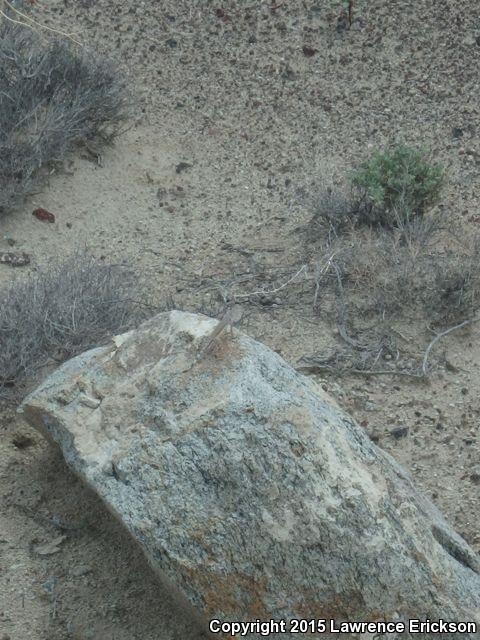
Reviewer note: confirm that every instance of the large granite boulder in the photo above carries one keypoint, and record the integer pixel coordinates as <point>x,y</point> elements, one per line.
<point>248,488</point>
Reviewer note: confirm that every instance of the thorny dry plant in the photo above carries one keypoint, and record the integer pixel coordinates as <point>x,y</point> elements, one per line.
<point>61,311</point>
<point>52,97</point>
<point>370,282</point>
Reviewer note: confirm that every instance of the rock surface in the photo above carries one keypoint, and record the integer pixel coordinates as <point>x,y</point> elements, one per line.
<point>247,487</point>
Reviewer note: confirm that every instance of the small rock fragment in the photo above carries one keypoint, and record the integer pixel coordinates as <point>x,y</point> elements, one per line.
<point>22,441</point>
<point>15,259</point>
<point>81,570</point>
<point>182,166</point>
<point>44,215</point>
<point>222,15</point>
<point>90,402</point>
<point>309,52</point>
<point>399,432</point>
<point>51,547</point>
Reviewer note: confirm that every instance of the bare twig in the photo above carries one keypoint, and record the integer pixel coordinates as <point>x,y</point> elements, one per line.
<point>318,367</point>
<point>457,327</point>
<point>342,314</point>
<point>314,364</point>
<point>54,521</point>
<point>319,273</point>
<point>269,292</point>
<point>31,23</point>
<point>351,4</point>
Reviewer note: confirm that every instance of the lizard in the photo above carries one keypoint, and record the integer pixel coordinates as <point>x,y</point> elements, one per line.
<point>232,316</point>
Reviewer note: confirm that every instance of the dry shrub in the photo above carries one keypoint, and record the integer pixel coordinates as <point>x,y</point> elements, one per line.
<point>61,311</point>
<point>52,96</point>
<point>337,210</point>
<point>384,275</point>
<point>383,279</point>
<point>454,294</point>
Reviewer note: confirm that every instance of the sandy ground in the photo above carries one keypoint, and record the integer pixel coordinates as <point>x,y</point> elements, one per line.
<point>228,90</point>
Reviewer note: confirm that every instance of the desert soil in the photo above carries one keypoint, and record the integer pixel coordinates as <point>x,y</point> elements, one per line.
<point>229,90</point>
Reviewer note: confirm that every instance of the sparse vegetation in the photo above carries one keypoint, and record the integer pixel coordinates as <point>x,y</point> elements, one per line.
<point>383,259</point>
<point>52,96</point>
<point>338,211</point>
<point>388,262</point>
<point>391,190</point>
<point>397,185</point>
<point>373,286</point>
<point>61,311</point>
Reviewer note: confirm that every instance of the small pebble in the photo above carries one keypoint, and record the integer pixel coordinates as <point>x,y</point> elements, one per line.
<point>81,570</point>
<point>399,432</point>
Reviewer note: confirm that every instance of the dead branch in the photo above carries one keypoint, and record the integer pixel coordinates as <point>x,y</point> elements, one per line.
<point>269,292</point>
<point>30,23</point>
<point>457,327</point>
<point>318,367</point>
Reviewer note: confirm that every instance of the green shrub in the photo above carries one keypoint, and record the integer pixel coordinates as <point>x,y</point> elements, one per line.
<point>397,185</point>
